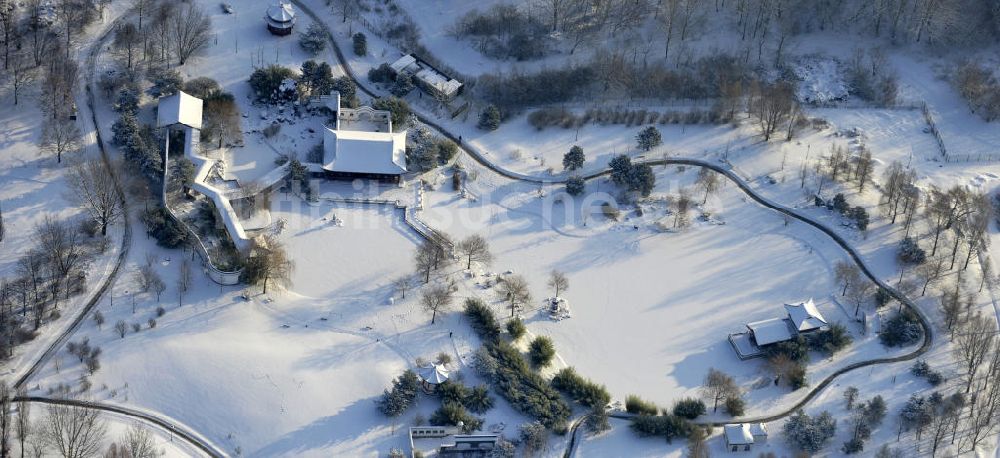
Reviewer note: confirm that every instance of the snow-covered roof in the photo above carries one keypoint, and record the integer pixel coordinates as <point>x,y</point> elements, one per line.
<point>439,82</point>
<point>403,62</point>
<point>805,316</point>
<point>180,108</point>
<point>758,430</point>
<point>352,151</point>
<point>433,374</point>
<point>771,331</point>
<point>738,434</point>
<point>281,12</point>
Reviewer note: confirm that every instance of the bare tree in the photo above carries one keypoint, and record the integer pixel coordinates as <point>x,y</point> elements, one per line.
<point>60,135</point>
<point>41,38</point>
<point>60,243</point>
<point>681,207</point>
<point>127,40</point>
<point>93,186</point>
<point>222,119</point>
<point>513,289</point>
<point>23,427</point>
<point>184,278</point>
<point>73,16</point>
<point>770,105</point>
<point>858,293</point>
<point>424,260</point>
<point>718,386</point>
<point>121,327</point>
<point>73,431</point>
<point>558,281</point>
<point>984,408</point>
<point>6,424</point>
<point>436,299</point>
<point>191,29</point>
<point>9,30</point>
<point>20,72</point>
<point>846,273</point>
<point>708,181</point>
<point>268,262</point>
<point>974,341</point>
<point>58,86</point>
<point>137,442</point>
<point>402,284</point>
<point>475,248</point>
<point>930,272</point>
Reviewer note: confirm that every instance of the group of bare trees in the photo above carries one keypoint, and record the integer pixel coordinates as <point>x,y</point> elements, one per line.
<point>65,430</point>
<point>163,30</point>
<point>52,270</point>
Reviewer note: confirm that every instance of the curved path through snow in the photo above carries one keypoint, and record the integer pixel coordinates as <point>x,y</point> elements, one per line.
<point>727,172</point>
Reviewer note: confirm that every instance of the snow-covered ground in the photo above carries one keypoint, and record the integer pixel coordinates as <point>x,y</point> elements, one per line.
<point>294,372</point>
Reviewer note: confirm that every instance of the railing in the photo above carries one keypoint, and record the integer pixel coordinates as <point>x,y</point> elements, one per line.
<point>217,275</point>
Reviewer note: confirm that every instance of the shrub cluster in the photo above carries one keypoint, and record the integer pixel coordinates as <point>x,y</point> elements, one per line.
<point>266,83</point>
<point>516,328</point>
<point>669,427</point>
<point>636,405</point>
<point>634,177</point>
<point>161,226</point>
<point>482,320</point>
<point>505,32</point>
<point>581,390</point>
<point>404,392</point>
<point>451,414</point>
<point>702,79</point>
<point>902,329</point>
<point>476,399</point>
<point>689,408</point>
<point>980,88</point>
<point>541,351</point>
<point>526,391</point>
<point>560,117</point>
<point>922,369</point>
<point>831,340</point>
<point>910,252</point>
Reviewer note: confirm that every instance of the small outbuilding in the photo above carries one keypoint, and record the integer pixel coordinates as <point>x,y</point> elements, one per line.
<point>738,437</point>
<point>743,436</point>
<point>280,18</point>
<point>430,79</point>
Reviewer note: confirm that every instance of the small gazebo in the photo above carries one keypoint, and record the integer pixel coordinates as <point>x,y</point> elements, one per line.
<point>433,375</point>
<point>280,18</point>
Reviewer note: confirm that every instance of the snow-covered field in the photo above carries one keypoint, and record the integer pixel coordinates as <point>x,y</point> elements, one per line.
<point>295,371</point>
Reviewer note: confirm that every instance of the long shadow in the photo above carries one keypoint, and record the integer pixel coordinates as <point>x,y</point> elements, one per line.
<point>347,425</point>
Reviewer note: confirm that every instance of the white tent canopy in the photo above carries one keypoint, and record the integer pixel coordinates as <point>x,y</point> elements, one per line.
<point>805,316</point>
<point>434,374</point>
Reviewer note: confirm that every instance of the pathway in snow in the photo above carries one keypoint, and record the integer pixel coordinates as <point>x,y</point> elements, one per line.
<point>726,171</point>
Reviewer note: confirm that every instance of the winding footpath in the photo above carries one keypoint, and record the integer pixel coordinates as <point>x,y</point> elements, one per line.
<point>725,171</point>
<point>166,425</point>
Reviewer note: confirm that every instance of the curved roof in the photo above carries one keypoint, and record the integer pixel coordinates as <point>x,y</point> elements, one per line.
<point>433,374</point>
<point>281,12</point>
<point>805,316</point>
